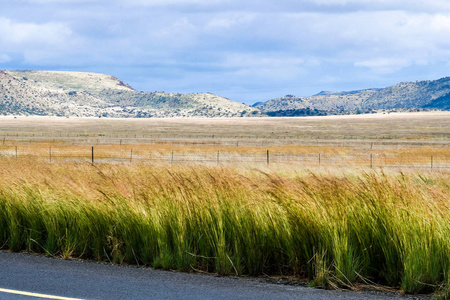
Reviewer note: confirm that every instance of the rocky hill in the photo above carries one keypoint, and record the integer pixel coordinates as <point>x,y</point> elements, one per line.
<point>432,94</point>
<point>90,94</point>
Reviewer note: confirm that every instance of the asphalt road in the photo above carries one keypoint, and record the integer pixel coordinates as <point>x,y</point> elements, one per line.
<point>45,277</point>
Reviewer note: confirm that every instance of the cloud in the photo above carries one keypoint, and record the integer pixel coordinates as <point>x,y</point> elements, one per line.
<point>16,34</point>
<point>342,6</point>
<point>169,2</point>
<point>31,2</point>
<point>229,21</point>
<point>276,66</point>
<point>229,45</point>
<point>384,65</point>
<point>39,43</point>
<point>4,58</point>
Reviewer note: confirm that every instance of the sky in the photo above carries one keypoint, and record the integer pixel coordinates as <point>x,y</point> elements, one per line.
<point>245,50</point>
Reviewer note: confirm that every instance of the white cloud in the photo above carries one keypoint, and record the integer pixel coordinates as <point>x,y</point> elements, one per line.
<point>19,33</point>
<point>4,58</point>
<point>39,43</point>
<point>229,20</point>
<point>151,3</point>
<point>435,6</point>
<point>262,61</point>
<point>275,65</point>
<point>268,41</point>
<point>269,5</point>
<point>359,37</point>
<point>62,1</point>
<point>174,34</point>
<point>384,65</point>
<point>440,23</point>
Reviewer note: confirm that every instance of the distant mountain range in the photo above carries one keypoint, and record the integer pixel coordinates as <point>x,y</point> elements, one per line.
<point>417,95</point>
<point>91,94</point>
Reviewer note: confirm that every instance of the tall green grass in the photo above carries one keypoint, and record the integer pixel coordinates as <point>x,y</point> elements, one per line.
<point>335,229</point>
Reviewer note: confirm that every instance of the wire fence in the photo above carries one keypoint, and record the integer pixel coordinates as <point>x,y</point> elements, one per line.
<point>126,154</point>
<point>221,140</point>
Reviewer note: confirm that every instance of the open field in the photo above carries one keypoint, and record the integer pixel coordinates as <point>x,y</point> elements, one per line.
<point>393,140</point>
<point>342,201</point>
<point>407,129</point>
<point>435,158</point>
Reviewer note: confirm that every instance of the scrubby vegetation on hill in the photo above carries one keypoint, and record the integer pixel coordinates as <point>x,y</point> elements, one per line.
<point>89,94</point>
<point>403,96</point>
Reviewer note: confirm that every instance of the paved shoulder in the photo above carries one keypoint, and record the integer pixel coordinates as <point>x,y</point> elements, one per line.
<point>89,280</point>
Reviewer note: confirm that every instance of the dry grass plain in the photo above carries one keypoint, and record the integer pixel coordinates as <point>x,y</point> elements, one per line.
<point>401,127</point>
<point>317,211</point>
<point>396,139</point>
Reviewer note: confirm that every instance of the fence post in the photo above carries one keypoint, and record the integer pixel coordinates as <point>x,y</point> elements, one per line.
<point>171,160</point>
<point>218,160</point>
<point>131,155</point>
<point>92,154</point>
<point>371,160</point>
<point>16,152</point>
<point>268,160</point>
<point>319,159</point>
<point>50,154</point>
<point>431,162</point>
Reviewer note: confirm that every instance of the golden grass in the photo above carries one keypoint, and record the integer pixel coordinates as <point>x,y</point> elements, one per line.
<point>299,156</point>
<point>217,206</point>
<point>335,227</point>
<point>406,129</point>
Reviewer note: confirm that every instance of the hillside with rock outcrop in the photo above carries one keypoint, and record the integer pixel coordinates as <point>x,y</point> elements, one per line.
<point>80,94</point>
<point>417,95</point>
<point>90,94</point>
